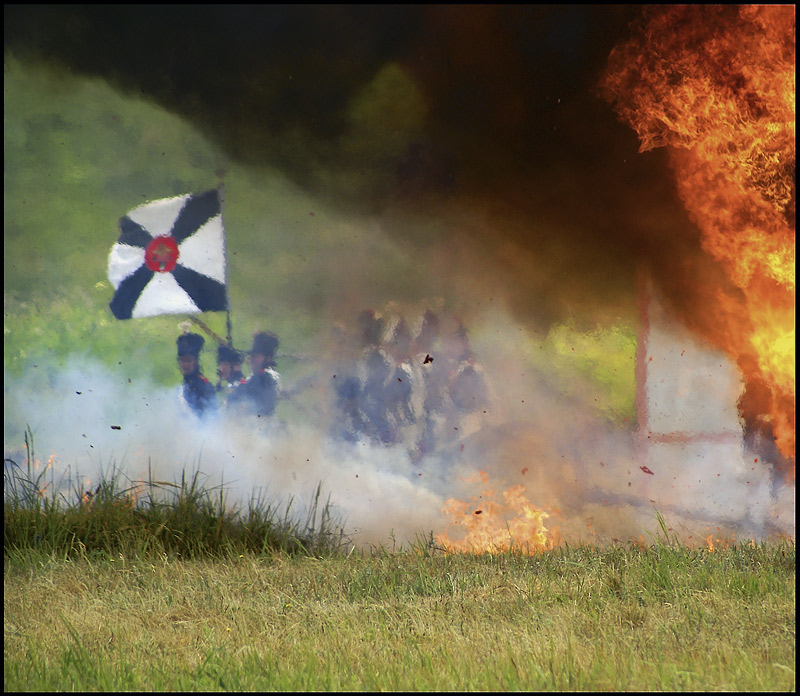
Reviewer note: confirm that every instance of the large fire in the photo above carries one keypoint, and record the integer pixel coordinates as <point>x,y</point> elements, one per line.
<point>490,526</point>
<point>716,86</point>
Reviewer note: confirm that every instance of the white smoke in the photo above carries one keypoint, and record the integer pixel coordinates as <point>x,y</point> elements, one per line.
<point>87,420</point>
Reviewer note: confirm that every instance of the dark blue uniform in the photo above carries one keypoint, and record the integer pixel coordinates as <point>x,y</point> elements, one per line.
<point>258,395</point>
<point>199,394</point>
<point>226,387</point>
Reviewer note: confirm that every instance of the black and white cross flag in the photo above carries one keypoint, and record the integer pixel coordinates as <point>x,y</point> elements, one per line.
<point>170,258</point>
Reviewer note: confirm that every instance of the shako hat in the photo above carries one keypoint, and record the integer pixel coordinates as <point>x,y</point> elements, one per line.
<point>228,354</point>
<point>265,343</point>
<point>190,344</point>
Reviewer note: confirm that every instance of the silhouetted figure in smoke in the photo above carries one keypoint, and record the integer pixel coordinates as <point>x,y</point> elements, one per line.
<point>374,372</point>
<point>400,387</point>
<point>370,329</point>
<point>455,391</point>
<point>229,371</point>
<point>433,368</point>
<point>376,375</point>
<point>196,391</point>
<point>349,422</point>
<point>467,388</point>
<point>361,388</point>
<point>260,392</point>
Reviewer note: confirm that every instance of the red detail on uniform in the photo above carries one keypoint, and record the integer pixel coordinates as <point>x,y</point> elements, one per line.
<point>161,254</point>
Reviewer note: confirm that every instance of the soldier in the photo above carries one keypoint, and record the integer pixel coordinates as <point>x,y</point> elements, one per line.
<point>196,391</point>
<point>467,388</point>
<point>349,422</point>
<point>433,367</point>
<point>229,365</point>
<point>400,388</point>
<point>259,393</point>
<point>229,370</point>
<point>375,371</point>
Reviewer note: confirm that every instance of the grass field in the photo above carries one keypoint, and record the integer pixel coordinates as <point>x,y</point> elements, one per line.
<point>175,593</point>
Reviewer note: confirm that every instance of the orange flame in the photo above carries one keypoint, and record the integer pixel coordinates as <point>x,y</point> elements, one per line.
<point>722,542</point>
<point>87,497</point>
<point>715,85</point>
<point>494,527</point>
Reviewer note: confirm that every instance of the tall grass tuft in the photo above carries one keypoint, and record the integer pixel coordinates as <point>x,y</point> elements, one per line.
<point>187,518</point>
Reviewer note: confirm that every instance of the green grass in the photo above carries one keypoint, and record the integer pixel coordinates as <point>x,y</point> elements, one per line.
<point>173,592</point>
<point>568,619</point>
<point>185,518</point>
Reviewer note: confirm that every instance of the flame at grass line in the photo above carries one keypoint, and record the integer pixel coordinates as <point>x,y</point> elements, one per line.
<point>489,527</point>
<point>715,85</point>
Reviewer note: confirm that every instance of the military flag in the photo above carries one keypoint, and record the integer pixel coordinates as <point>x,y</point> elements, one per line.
<point>170,258</point>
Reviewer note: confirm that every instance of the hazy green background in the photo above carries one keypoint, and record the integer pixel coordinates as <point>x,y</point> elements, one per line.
<point>78,156</point>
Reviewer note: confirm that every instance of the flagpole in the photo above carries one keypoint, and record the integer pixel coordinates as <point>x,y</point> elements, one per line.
<point>228,325</point>
<point>206,328</point>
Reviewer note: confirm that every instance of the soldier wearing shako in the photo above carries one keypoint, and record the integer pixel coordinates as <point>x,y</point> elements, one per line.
<point>259,394</point>
<point>229,370</point>
<point>198,393</point>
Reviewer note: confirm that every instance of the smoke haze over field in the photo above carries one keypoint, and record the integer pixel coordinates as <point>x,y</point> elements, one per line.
<point>89,422</point>
<point>442,156</point>
<point>570,464</point>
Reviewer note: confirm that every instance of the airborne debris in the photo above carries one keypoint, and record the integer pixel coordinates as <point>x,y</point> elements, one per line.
<point>646,470</point>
